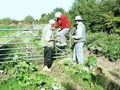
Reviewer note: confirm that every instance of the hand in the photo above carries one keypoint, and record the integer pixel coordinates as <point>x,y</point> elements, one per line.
<point>54,40</point>
<point>73,37</point>
<point>53,28</point>
<point>59,29</point>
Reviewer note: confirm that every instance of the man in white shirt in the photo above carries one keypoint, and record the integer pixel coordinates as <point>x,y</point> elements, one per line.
<point>79,39</point>
<point>47,43</point>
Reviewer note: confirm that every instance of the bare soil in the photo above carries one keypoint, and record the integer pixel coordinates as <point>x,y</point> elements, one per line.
<point>108,67</point>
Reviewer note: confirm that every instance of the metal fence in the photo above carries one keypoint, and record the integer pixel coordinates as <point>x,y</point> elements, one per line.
<point>24,44</point>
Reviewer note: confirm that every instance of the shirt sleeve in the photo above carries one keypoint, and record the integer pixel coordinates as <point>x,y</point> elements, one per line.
<point>79,33</point>
<point>56,25</point>
<point>63,22</point>
<point>48,35</point>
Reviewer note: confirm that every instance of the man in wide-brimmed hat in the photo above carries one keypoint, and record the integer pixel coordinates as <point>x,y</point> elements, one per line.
<point>79,39</point>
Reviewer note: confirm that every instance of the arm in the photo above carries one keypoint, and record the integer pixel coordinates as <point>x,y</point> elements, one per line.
<point>56,25</point>
<point>63,21</point>
<point>48,35</point>
<point>79,33</point>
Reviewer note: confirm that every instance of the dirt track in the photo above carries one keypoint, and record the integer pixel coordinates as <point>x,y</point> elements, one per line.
<point>109,68</point>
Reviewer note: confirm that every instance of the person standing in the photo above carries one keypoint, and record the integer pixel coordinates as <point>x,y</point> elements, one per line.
<point>47,43</point>
<point>79,39</point>
<point>63,26</point>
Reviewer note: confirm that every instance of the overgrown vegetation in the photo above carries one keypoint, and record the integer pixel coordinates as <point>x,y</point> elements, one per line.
<point>104,44</point>
<point>89,76</point>
<point>98,15</point>
<point>25,75</point>
<point>102,20</point>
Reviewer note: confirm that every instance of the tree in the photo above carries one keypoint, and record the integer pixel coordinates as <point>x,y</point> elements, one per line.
<point>84,8</point>
<point>59,10</point>
<point>109,19</point>
<point>43,15</point>
<point>29,19</point>
<point>46,17</point>
<point>14,21</point>
<point>102,15</point>
<point>6,21</point>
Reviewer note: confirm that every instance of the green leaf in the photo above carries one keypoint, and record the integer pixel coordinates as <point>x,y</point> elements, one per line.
<point>88,77</point>
<point>92,61</point>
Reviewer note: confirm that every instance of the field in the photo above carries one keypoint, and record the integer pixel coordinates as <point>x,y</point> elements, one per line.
<point>101,70</point>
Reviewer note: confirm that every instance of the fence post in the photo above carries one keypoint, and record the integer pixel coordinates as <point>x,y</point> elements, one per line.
<point>27,44</point>
<point>71,41</point>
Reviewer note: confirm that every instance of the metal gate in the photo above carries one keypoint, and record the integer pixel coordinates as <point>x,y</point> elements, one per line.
<point>23,44</point>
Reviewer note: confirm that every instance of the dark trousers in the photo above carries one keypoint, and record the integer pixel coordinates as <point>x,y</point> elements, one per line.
<point>47,56</point>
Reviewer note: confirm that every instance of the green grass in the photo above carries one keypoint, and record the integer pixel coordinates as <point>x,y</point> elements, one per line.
<point>8,27</point>
<point>10,84</point>
<point>3,33</point>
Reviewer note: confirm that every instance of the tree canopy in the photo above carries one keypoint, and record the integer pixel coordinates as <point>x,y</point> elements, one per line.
<point>98,15</point>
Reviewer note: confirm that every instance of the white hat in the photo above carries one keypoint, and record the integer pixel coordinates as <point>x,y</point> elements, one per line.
<point>58,14</point>
<point>78,18</point>
<point>51,21</point>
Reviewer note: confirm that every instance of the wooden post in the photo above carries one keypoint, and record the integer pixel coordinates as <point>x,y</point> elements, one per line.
<point>71,41</point>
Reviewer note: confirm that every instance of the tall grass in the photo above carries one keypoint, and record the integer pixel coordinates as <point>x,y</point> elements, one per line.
<point>3,33</point>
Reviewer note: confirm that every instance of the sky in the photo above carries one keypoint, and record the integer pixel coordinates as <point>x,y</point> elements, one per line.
<point>19,9</point>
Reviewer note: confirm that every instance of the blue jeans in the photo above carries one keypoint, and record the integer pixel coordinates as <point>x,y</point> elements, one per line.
<point>78,52</point>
